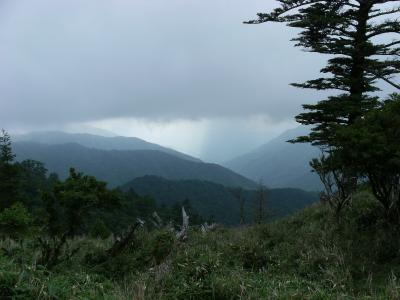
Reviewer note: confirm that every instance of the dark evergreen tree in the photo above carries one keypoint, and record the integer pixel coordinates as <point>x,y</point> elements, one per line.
<point>238,194</point>
<point>353,34</point>
<point>260,203</point>
<point>33,181</point>
<point>348,31</point>
<point>9,181</point>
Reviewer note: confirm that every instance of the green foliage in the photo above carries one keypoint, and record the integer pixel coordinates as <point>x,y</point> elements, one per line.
<point>250,254</point>
<point>118,167</point>
<point>192,274</point>
<point>134,206</point>
<point>9,181</point>
<point>161,245</point>
<point>339,180</point>
<point>33,181</point>
<point>66,211</point>
<point>70,203</point>
<point>206,200</point>
<point>6,154</point>
<point>305,256</point>
<point>33,282</point>
<point>15,221</point>
<point>348,33</point>
<point>350,127</point>
<point>375,152</point>
<point>99,230</point>
<point>261,203</point>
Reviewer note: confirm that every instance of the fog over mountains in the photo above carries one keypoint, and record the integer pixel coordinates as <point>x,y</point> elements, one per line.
<point>98,142</point>
<point>279,163</point>
<point>117,160</point>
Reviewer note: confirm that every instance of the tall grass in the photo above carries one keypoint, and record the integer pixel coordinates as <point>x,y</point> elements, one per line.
<point>305,256</point>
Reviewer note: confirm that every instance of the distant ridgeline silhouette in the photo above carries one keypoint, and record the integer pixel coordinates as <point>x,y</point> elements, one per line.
<point>118,160</point>
<point>279,163</point>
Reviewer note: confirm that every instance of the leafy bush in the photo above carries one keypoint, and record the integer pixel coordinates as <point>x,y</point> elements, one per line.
<point>99,230</point>
<point>15,221</point>
<point>161,244</point>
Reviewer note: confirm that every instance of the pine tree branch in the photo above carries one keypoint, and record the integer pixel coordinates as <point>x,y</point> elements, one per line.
<point>278,12</point>
<point>385,13</point>
<point>387,80</point>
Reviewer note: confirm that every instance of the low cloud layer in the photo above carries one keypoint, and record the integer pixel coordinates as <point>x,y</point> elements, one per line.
<point>185,74</point>
<point>214,140</point>
<point>75,61</point>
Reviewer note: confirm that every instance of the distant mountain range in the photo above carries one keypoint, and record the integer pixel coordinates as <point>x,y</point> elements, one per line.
<point>280,164</point>
<point>170,176</point>
<point>119,159</point>
<point>97,142</point>
<point>120,166</point>
<point>216,200</point>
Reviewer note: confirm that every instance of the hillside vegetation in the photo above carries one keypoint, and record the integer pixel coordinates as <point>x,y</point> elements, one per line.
<point>217,202</point>
<point>76,238</point>
<point>305,256</point>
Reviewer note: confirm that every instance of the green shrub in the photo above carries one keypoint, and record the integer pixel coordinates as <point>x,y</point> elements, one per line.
<point>250,254</point>
<point>15,221</point>
<point>99,230</point>
<point>161,244</point>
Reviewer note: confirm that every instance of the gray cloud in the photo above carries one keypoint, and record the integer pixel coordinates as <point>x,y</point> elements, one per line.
<point>182,73</point>
<point>72,61</point>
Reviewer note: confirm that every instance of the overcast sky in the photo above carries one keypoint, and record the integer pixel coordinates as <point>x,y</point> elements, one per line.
<point>183,73</point>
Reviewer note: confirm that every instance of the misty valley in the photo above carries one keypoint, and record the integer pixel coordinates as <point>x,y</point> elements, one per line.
<point>179,149</point>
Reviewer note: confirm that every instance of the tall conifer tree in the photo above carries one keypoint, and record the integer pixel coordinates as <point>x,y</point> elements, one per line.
<point>351,33</point>
<point>9,182</point>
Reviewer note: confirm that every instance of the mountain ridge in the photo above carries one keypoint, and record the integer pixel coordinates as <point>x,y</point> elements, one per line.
<point>120,166</point>
<point>280,164</point>
<point>97,142</point>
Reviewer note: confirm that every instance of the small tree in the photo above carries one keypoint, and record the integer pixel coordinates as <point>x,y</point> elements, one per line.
<point>338,184</point>
<point>261,197</point>
<point>99,230</point>
<point>9,181</point>
<point>33,180</point>
<point>238,194</point>
<point>6,154</point>
<point>15,221</point>
<point>66,211</point>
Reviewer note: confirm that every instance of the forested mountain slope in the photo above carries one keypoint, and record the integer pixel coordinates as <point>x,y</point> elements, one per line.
<point>217,201</point>
<point>118,167</point>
